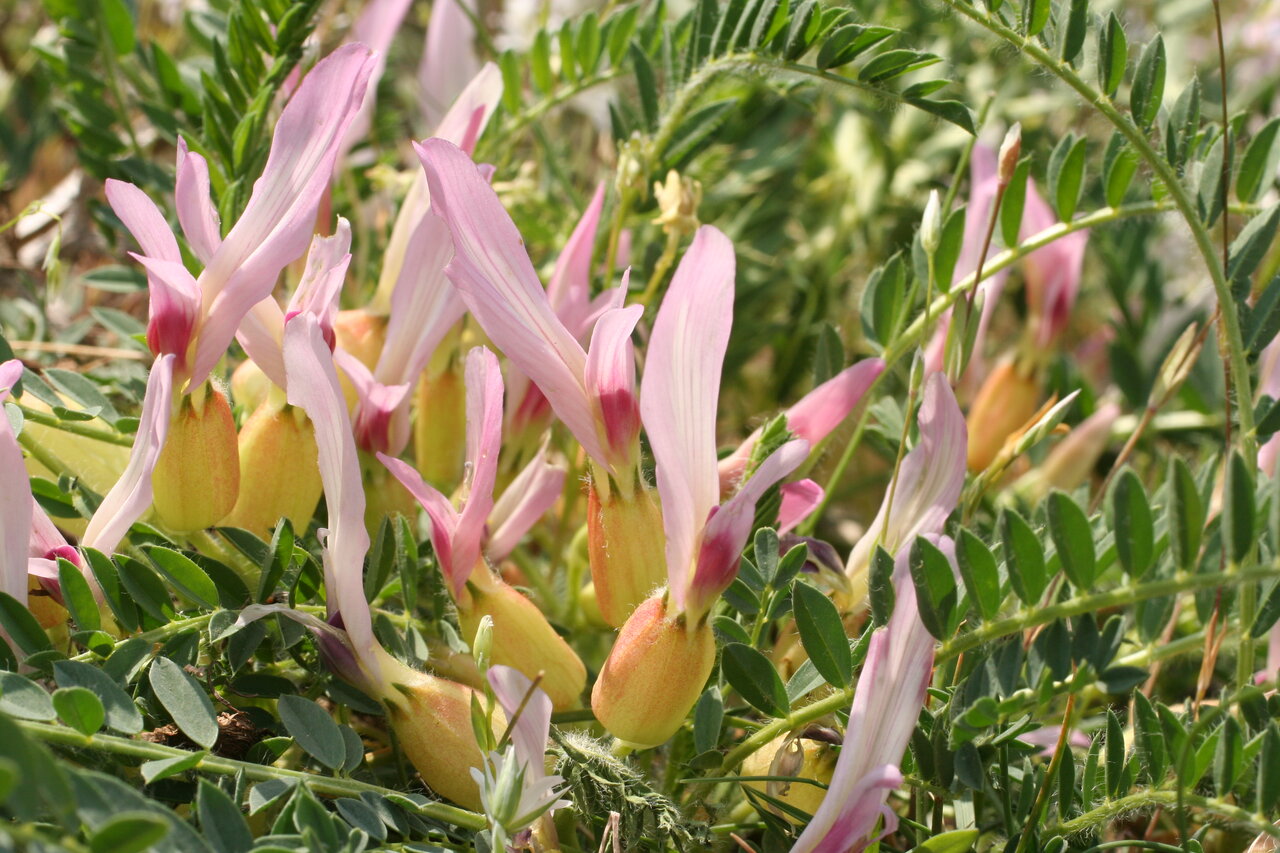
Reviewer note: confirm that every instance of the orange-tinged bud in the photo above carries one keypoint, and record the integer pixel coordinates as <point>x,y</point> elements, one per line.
<point>432,721</point>
<point>440,428</point>
<point>1005,402</point>
<point>197,476</point>
<point>801,758</point>
<point>626,545</point>
<point>523,639</point>
<point>250,387</point>
<point>362,334</point>
<point>279,477</point>
<point>655,672</point>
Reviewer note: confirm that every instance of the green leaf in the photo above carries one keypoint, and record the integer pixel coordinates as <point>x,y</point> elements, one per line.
<point>1238,510</point>
<point>588,45</point>
<point>21,626</point>
<point>1269,770</point>
<point>119,25</point>
<point>1066,175</point>
<point>22,698</point>
<point>1035,14</point>
<point>935,586</point>
<point>1133,524</point>
<point>1209,194</point>
<point>1149,738</point>
<point>755,679</point>
<point>955,841</point>
<point>1184,121</point>
<point>883,301</point>
<point>187,578</point>
<point>708,717</point>
<point>145,588</point>
<point>313,729</point>
<point>1115,752</point>
<point>1011,208</point>
<point>79,708</point>
<point>1074,32</point>
<point>129,832</point>
<point>1252,244</point>
<point>880,589</point>
<point>1147,93</point>
<point>646,85</point>
<point>1023,556</point>
<point>77,597</point>
<point>847,42</point>
<point>1258,166</point>
<point>1185,515</point>
<point>164,768</point>
<point>894,63</point>
<point>221,821</point>
<point>185,700</point>
<point>1228,758</point>
<point>540,62</point>
<point>1120,164</point>
<point>1069,528</point>
<point>822,634</point>
<point>121,714</point>
<point>1267,614</point>
<point>978,571</point>
<point>362,816</point>
<point>512,82</point>
<point>1262,324</point>
<point>1113,55</point>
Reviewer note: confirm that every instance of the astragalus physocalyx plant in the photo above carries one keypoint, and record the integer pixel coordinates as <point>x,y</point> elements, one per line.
<point>651,426</point>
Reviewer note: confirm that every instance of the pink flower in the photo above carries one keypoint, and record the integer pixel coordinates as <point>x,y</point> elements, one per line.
<point>16,502</point>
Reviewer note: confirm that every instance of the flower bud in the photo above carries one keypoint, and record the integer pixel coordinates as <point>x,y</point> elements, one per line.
<point>678,199</point>
<point>798,757</point>
<point>197,476</point>
<point>1069,463</point>
<point>653,675</point>
<point>279,477</point>
<point>1005,402</point>
<point>250,387</point>
<point>51,615</point>
<point>522,638</point>
<point>1010,150</point>
<point>931,224</point>
<point>440,427</point>
<point>626,545</point>
<point>384,496</point>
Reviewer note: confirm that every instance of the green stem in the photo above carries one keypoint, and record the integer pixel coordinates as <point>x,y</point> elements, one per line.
<point>1143,800</point>
<point>63,736</point>
<point>1167,175</point>
<point>74,427</point>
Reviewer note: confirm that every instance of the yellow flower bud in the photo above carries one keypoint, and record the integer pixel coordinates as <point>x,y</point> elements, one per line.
<point>250,387</point>
<point>279,477</point>
<point>626,546</point>
<point>197,477</point>
<point>522,638</point>
<point>798,757</point>
<point>440,427</point>
<point>1005,403</point>
<point>655,672</point>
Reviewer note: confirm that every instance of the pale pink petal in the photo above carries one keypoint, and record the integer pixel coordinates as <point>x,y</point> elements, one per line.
<point>516,694</point>
<point>174,308</point>
<point>531,494</point>
<point>1052,272</point>
<point>261,333</point>
<point>484,441</point>
<point>680,391</point>
<point>313,387</point>
<point>16,502</point>
<point>46,539</point>
<point>570,287</point>
<point>444,522</point>
<point>610,380</point>
<point>196,213</point>
<point>377,25</point>
<point>728,526</point>
<point>375,407</point>
<point>321,282</point>
<point>130,497</point>
<point>448,57</point>
<point>278,221</point>
<point>143,219</point>
<point>799,499</point>
<point>497,280</point>
<point>929,480</point>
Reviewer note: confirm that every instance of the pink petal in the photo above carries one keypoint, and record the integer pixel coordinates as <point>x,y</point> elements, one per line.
<point>512,689</point>
<point>174,308</point>
<point>929,480</point>
<point>825,407</point>
<point>531,494</point>
<point>261,333</point>
<point>680,390</point>
<point>10,374</point>
<point>321,282</point>
<point>196,213</point>
<point>444,522</point>
<point>377,25</point>
<point>130,497</point>
<point>16,502</point>
<point>277,223</point>
<point>570,287</point>
<point>46,539</point>
<point>143,219</point>
<point>799,499</point>
<point>610,380</point>
<point>1052,271</point>
<point>726,531</point>
<point>313,387</point>
<point>484,441</point>
<point>492,270</point>
<point>448,57</point>
<point>375,407</point>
